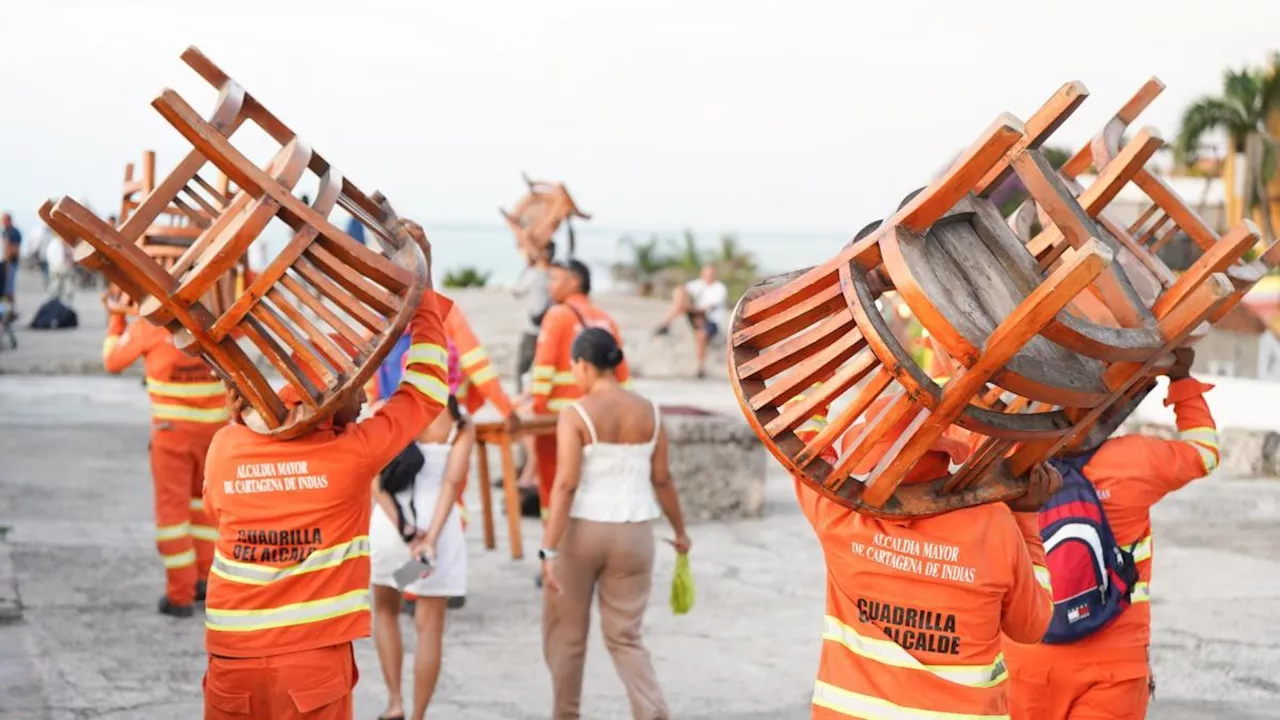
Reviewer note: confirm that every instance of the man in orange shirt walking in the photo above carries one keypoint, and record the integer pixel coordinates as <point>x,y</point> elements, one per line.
<point>553,386</point>
<point>289,590</point>
<point>188,405</point>
<point>916,608</point>
<point>1106,675</point>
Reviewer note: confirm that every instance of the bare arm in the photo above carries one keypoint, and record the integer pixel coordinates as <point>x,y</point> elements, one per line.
<point>665,490</point>
<point>569,429</point>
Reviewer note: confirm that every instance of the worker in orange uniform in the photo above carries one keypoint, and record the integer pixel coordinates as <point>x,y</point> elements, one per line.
<point>188,405</point>
<point>1106,674</point>
<point>553,386</point>
<point>915,608</point>
<point>290,585</point>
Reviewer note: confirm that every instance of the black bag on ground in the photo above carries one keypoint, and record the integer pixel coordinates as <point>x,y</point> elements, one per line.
<point>53,315</point>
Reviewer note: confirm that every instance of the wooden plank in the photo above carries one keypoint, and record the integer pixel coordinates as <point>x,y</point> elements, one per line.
<point>1143,218</point>
<point>280,359</point>
<point>846,377</point>
<point>328,316</point>
<point>512,496</point>
<point>486,493</point>
<point>1164,196</point>
<point>1150,232</point>
<point>299,349</point>
<point>225,252</point>
<point>379,299</point>
<point>792,320</point>
<point>795,350</point>
<point>813,370</point>
<point>1239,240</point>
<point>1042,123</point>
<point>849,414</point>
<point>217,197</point>
<point>873,431</point>
<point>249,177</point>
<point>941,195</point>
<point>334,354</point>
<point>345,302</point>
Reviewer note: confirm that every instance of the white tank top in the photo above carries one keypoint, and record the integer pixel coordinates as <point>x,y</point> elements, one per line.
<point>426,485</point>
<point>616,479</point>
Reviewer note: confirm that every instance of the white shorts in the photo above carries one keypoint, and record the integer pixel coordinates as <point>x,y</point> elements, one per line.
<point>389,553</point>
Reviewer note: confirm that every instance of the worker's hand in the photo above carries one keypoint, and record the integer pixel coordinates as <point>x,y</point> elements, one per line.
<point>408,231</point>
<point>549,581</point>
<point>1043,482</point>
<point>681,543</point>
<point>513,423</point>
<point>1183,358</point>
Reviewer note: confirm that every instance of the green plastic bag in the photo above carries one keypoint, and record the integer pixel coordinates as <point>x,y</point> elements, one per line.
<point>682,593</point>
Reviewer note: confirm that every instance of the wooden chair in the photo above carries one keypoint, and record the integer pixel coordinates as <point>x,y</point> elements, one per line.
<point>359,296</point>
<point>973,285</point>
<point>539,213</point>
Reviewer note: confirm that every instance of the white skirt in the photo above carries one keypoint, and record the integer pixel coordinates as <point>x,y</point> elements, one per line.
<point>390,552</point>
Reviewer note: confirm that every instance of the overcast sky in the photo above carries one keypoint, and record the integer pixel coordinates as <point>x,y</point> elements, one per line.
<point>716,114</point>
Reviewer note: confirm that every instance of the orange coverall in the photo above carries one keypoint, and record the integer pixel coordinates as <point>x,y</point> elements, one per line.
<point>289,589</point>
<point>553,386</point>
<point>1106,675</point>
<point>188,405</point>
<point>915,608</point>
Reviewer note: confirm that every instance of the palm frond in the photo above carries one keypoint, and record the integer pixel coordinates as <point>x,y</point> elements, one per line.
<point>1207,115</point>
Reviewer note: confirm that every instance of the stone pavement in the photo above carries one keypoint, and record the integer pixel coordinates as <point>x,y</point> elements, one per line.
<point>74,490</point>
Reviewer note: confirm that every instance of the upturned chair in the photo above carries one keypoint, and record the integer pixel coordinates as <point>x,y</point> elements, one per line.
<point>818,335</point>
<point>362,298</point>
<point>539,214</point>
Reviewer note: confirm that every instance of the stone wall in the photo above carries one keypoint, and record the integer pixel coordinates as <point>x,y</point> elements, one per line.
<point>1244,453</point>
<point>718,464</point>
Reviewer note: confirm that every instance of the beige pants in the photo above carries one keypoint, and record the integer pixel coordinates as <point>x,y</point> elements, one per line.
<point>614,561</point>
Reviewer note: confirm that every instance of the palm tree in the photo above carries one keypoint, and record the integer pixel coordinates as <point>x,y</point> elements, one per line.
<point>647,262</point>
<point>1249,97</point>
<point>686,257</point>
<point>736,265</point>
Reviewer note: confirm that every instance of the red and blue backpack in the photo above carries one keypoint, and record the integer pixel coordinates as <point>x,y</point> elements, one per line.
<point>1093,577</point>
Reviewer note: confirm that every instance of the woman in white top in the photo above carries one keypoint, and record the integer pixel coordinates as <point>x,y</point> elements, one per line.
<point>420,520</point>
<point>611,480</point>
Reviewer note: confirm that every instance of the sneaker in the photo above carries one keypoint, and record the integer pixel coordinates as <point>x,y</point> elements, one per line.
<point>202,589</point>
<point>457,603</point>
<point>179,611</point>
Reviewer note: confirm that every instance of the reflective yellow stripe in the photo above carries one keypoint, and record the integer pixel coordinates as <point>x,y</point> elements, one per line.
<point>110,344</point>
<point>186,390</point>
<point>428,354</point>
<point>815,424</point>
<point>484,376</point>
<point>888,652</point>
<point>1043,577</point>
<point>867,707</point>
<point>432,387</point>
<point>558,404</point>
<point>563,378</point>
<point>626,385</point>
<point>286,615</point>
<point>1205,441</point>
<point>540,388</point>
<point>473,357</point>
<point>251,574</point>
<point>181,560</point>
<point>543,372</point>
<point>1142,549</point>
<point>172,532</point>
<point>1141,593</point>
<point>164,411</point>
<point>197,503</point>
<point>204,532</point>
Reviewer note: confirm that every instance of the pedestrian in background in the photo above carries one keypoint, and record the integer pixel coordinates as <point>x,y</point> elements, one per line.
<point>612,480</point>
<point>12,254</point>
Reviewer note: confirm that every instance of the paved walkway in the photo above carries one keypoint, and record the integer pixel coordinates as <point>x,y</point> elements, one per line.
<point>75,493</point>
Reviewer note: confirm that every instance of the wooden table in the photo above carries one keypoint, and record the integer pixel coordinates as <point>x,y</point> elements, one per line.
<point>497,434</point>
